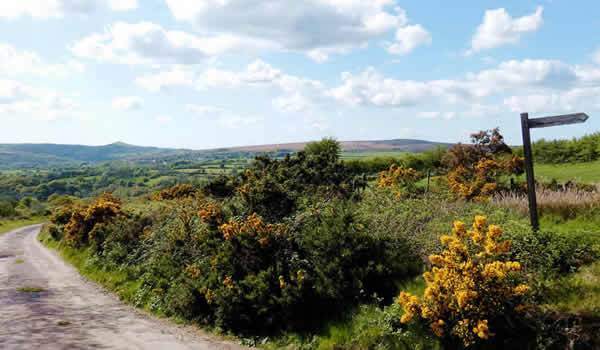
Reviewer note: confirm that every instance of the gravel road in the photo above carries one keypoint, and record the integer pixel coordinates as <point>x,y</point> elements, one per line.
<point>73,313</point>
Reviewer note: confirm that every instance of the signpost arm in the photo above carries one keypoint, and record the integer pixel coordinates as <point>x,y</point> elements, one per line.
<point>529,170</point>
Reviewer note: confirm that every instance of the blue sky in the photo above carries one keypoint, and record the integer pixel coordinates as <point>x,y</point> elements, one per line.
<point>216,73</point>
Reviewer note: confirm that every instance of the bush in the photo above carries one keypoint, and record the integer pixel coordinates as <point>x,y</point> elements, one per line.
<point>7,210</point>
<point>176,192</point>
<point>471,294</point>
<point>246,274</point>
<point>84,219</point>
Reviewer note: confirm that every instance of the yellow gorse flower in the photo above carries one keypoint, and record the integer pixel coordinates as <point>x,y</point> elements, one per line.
<point>254,226</point>
<point>467,285</point>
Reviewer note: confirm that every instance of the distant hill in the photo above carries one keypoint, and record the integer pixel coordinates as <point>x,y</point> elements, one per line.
<point>19,156</point>
<point>14,156</point>
<point>408,145</point>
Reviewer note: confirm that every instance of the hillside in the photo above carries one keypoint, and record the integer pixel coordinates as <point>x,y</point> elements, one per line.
<point>15,156</point>
<point>350,146</point>
<point>20,156</point>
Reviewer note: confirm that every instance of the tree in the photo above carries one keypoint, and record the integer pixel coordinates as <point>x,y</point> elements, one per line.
<point>327,147</point>
<point>476,169</point>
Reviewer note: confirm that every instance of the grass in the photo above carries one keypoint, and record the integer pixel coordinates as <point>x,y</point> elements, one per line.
<point>117,281</point>
<point>29,290</point>
<point>580,172</point>
<point>19,261</point>
<point>363,327</point>
<point>7,225</point>
<point>579,292</point>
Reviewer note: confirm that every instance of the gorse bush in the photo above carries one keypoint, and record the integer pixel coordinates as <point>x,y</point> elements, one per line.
<point>247,274</point>
<point>470,292</point>
<point>175,192</point>
<point>85,220</point>
<point>400,179</point>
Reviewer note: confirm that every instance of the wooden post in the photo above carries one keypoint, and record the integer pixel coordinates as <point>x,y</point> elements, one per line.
<point>428,178</point>
<point>533,214</point>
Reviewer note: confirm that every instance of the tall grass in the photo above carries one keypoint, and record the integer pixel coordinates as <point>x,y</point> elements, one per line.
<point>567,204</point>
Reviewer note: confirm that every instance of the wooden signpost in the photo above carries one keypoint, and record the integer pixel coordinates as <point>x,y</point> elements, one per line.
<point>545,122</point>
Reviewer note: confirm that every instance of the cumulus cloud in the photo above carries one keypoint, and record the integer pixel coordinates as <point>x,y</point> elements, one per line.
<point>372,88</point>
<point>150,43</point>
<point>514,73</point>
<point>127,103</point>
<point>437,115</point>
<point>499,28</point>
<point>155,82</point>
<point>12,9</point>
<point>17,99</point>
<point>596,56</point>
<point>570,101</point>
<point>123,5</point>
<point>204,109</point>
<point>468,96</point>
<point>408,38</point>
<point>224,117</point>
<point>316,27</point>
<point>14,62</point>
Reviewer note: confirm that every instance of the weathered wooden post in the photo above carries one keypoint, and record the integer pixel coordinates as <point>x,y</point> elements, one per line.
<point>428,178</point>
<point>545,122</point>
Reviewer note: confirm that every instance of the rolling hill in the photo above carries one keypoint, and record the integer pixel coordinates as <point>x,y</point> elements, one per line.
<point>19,156</point>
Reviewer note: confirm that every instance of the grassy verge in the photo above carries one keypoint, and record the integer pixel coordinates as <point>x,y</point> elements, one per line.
<point>7,225</point>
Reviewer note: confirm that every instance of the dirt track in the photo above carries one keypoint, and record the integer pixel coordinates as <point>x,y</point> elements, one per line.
<point>72,313</point>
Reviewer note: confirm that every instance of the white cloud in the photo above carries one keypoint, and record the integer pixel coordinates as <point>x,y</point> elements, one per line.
<point>408,38</point>
<point>316,27</point>
<point>236,121</point>
<point>291,103</point>
<point>548,73</point>
<point>150,43</point>
<point>204,109</point>
<point>499,28</point>
<point>218,78</point>
<point>370,87</point>
<point>437,115</point>
<point>123,5</point>
<point>570,101</point>
<point>165,80</point>
<point>127,103</point>
<point>596,57</point>
<point>224,117</point>
<point>523,77</point>
<point>14,62</point>
<point>17,99</point>
<point>12,9</point>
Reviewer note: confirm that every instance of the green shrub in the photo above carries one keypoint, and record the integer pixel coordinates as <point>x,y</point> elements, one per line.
<point>246,274</point>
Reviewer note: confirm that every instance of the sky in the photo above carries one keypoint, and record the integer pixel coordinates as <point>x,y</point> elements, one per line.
<point>216,73</point>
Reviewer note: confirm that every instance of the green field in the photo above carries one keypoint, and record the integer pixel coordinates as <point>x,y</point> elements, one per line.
<point>580,172</point>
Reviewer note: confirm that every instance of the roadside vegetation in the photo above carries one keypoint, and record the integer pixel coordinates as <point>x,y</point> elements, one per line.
<point>302,251</point>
